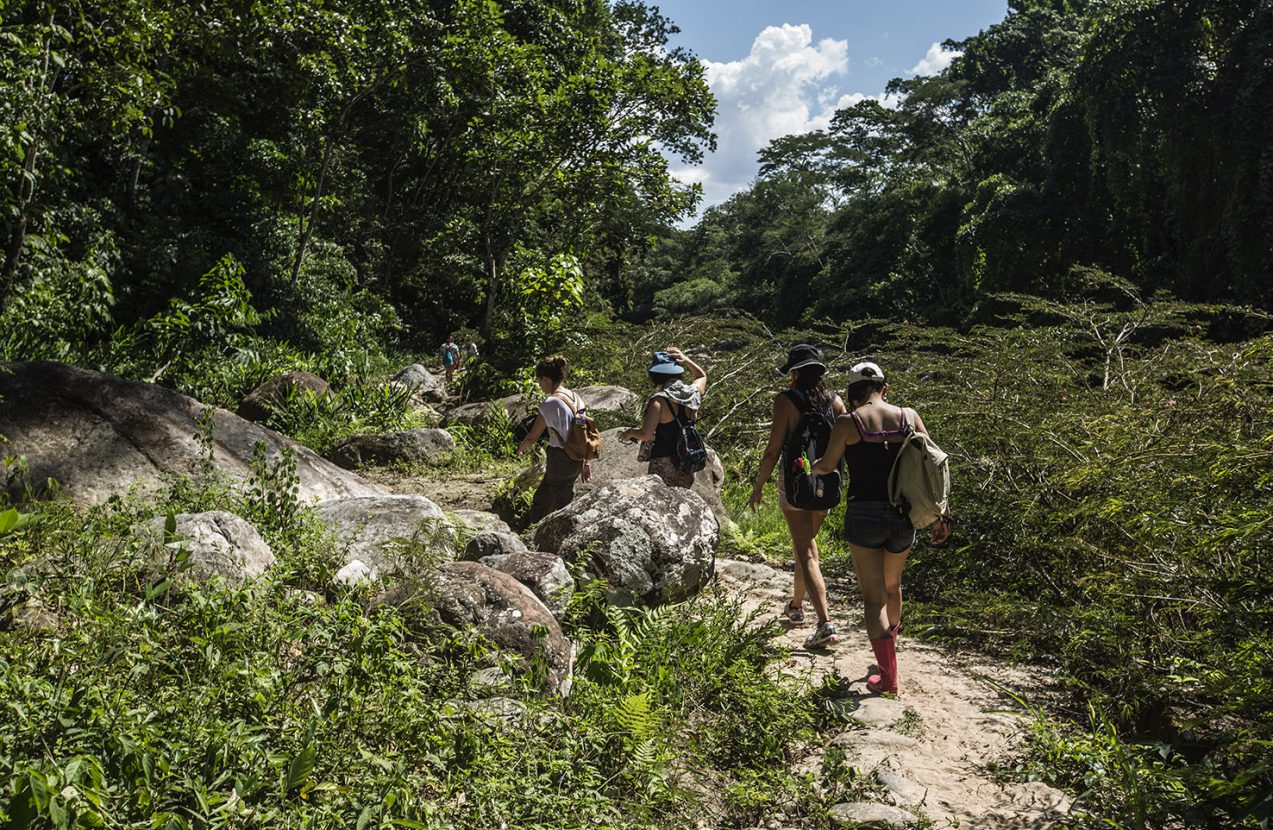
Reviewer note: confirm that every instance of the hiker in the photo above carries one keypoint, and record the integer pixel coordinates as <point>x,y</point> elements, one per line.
<point>557,412</point>
<point>808,393</point>
<point>674,402</point>
<point>879,535</point>
<point>450,356</point>
<point>470,353</point>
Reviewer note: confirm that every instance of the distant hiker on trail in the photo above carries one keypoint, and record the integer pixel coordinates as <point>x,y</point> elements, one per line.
<point>558,412</point>
<point>450,356</point>
<point>808,400</point>
<point>470,352</point>
<point>879,535</point>
<point>668,434</point>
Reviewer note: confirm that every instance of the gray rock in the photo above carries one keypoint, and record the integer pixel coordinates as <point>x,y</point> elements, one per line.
<point>261,401</point>
<point>878,711</point>
<point>98,435</point>
<point>857,738</point>
<point>868,816</point>
<point>519,408</point>
<point>619,461</point>
<point>377,530</point>
<point>491,543</point>
<point>470,596</point>
<point>429,446</point>
<point>478,521</point>
<point>33,616</point>
<point>502,709</point>
<point>218,543</point>
<point>543,573</point>
<point>904,790</point>
<point>490,681</point>
<point>651,543</point>
<point>609,399</point>
<point>355,572</point>
<point>416,376</point>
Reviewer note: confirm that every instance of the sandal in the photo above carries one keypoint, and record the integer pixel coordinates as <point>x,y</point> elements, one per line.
<point>795,613</point>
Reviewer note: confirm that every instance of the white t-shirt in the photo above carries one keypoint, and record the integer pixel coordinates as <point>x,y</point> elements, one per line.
<point>558,417</point>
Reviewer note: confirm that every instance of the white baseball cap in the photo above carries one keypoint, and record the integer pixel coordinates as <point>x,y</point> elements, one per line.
<point>866,370</point>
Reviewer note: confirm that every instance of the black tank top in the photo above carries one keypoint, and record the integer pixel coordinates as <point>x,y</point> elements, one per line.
<point>870,460</point>
<point>666,435</point>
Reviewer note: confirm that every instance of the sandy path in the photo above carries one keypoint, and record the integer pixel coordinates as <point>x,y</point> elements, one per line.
<point>928,748</point>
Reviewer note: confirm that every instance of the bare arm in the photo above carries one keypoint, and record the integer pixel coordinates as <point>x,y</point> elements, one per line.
<point>773,450</point>
<point>653,413</point>
<point>844,433</point>
<point>536,430</point>
<point>700,375</point>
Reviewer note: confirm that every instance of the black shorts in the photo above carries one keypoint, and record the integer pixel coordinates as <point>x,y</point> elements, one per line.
<point>877,524</point>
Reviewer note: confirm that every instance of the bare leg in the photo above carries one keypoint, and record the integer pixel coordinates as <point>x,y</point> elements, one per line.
<point>893,564</point>
<point>804,525</point>
<point>869,565</point>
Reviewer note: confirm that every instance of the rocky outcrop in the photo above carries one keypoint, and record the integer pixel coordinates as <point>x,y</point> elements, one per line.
<point>471,596</point>
<point>98,435</point>
<point>863,815</point>
<point>213,544</point>
<point>619,461</point>
<point>262,400</point>
<point>478,521</point>
<point>492,543</point>
<point>522,408</point>
<point>544,574</point>
<point>380,531</point>
<point>416,376</point>
<point>651,543</point>
<point>609,399</point>
<point>412,446</point>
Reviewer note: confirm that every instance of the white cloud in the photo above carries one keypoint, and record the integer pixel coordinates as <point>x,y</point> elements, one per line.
<point>937,59</point>
<point>782,87</point>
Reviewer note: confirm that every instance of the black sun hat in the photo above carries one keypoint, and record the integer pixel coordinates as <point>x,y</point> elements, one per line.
<point>800,356</point>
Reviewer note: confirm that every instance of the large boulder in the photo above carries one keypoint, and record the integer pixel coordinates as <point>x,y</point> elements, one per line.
<point>262,400</point>
<point>492,543</point>
<point>97,435</point>
<point>619,461</point>
<point>543,573</point>
<point>519,408</point>
<point>412,446</point>
<point>377,531</point>
<point>216,543</point>
<point>650,542</point>
<point>609,399</point>
<point>471,596</point>
<point>470,522</point>
<point>416,376</point>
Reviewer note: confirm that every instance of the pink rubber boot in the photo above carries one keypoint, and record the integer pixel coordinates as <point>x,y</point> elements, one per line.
<point>886,659</point>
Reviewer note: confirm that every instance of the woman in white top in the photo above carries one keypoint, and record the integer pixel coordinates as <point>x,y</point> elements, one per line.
<point>556,415</point>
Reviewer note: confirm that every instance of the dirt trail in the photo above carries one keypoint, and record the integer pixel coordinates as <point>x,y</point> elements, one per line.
<point>929,748</point>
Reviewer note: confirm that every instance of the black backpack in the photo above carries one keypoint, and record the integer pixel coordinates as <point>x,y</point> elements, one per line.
<point>805,445</point>
<point>691,449</point>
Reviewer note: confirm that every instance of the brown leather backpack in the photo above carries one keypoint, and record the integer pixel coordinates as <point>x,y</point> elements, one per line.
<point>583,440</point>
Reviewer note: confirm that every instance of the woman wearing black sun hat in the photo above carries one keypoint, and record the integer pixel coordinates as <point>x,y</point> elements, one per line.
<point>808,392</point>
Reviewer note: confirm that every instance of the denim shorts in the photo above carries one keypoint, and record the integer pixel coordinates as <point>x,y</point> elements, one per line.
<point>877,524</point>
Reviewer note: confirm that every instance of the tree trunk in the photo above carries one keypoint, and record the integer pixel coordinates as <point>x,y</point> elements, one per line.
<point>488,322</point>
<point>17,237</point>
<point>306,224</point>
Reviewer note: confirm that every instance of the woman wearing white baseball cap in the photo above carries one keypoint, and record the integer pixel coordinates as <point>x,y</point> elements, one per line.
<point>879,537</point>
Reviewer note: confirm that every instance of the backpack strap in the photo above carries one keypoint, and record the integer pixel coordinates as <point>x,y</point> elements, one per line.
<point>798,399</point>
<point>576,408</point>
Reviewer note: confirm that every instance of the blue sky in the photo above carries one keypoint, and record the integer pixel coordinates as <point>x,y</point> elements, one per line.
<point>782,68</point>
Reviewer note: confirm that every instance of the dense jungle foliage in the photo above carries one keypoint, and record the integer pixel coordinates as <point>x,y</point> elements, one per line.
<point>1128,135</point>
<point>205,194</point>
